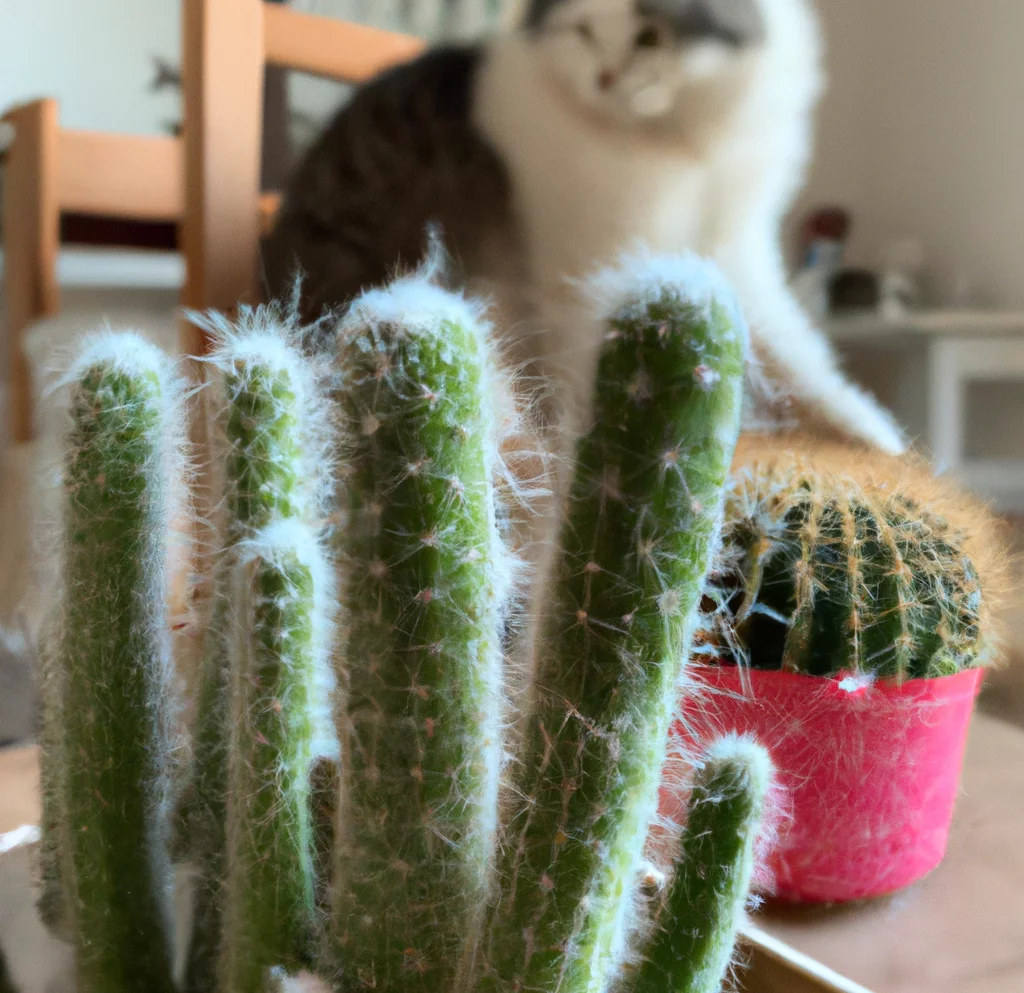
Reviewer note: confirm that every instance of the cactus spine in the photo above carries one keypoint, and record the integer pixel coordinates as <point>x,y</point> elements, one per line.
<point>425,581</point>
<point>278,662</point>
<point>640,527</point>
<point>835,575</point>
<point>702,911</point>
<point>272,444</point>
<point>123,469</point>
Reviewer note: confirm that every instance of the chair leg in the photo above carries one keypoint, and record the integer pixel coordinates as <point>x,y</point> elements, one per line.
<point>31,213</point>
<point>223,91</point>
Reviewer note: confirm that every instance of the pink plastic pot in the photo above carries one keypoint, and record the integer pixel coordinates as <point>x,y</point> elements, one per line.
<point>868,772</point>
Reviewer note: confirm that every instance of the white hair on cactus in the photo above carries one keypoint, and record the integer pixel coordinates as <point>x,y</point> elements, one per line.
<point>126,352</point>
<point>278,981</point>
<point>742,750</point>
<point>277,543</point>
<point>416,302</point>
<point>269,337</point>
<point>640,278</point>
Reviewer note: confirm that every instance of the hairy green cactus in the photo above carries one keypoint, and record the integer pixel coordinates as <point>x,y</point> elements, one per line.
<point>697,922</point>
<point>51,861</point>
<point>423,897</point>
<point>640,528</point>
<point>269,436</point>
<point>122,477</point>
<point>825,572</point>
<point>425,579</point>
<point>281,716</point>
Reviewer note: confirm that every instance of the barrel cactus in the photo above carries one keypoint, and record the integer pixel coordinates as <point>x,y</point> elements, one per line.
<point>838,563</point>
<point>471,845</point>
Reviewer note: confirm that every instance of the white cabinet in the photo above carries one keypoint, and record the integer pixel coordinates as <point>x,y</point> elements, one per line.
<point>929,367</point>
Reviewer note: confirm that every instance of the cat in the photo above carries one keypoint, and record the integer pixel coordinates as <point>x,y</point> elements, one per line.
<point>594,126</point>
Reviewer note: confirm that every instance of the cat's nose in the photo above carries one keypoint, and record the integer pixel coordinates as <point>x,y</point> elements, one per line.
<point>606,79</point>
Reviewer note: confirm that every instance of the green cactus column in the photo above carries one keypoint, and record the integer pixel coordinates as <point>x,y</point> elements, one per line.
<point>269,439</point>
<point>697,925</point>
<point>54,847</point>
<point>124,466</point>
<point>425,580</point>
<point>281,706</point>
<point>640,527</point>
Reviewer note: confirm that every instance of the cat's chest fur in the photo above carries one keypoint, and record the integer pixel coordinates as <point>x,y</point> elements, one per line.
<point>582,191</point>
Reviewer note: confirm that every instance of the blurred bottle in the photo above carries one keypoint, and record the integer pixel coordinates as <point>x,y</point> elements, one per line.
<point>823,243</point>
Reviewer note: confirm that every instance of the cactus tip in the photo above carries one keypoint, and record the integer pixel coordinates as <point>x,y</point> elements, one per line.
<point>641,277</point>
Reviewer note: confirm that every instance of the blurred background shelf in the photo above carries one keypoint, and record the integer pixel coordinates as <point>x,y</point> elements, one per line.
<point>955,378</point>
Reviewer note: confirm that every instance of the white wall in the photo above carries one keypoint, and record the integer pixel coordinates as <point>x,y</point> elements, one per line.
<point>922,135</point>
<point>94,56</point>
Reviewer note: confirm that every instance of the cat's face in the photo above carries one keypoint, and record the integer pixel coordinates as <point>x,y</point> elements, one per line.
<point>638,60</point>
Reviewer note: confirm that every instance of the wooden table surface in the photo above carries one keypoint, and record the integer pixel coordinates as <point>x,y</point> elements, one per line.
<point>959,931</point>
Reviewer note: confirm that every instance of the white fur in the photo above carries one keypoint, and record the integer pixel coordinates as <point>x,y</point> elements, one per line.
<point>638,278</point>
<point>694,148</point>
<point>278,543</point>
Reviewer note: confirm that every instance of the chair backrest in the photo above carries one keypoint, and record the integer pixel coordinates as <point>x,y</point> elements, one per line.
<point>207,182</point>
<point>50,171</point>
<point>227,46</point>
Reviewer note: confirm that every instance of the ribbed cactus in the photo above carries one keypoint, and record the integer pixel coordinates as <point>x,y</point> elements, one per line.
<point>640,528</point>
<point>123,476</point>
<point>280,694</point>
<point>825,572</point>
<point>425,579</point>
<point>697,921</point>
<point>269,440</point>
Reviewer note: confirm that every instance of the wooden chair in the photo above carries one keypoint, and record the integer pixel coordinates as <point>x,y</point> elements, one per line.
<point>51,172</point>
<point>227,45</point>
<point>207,182</point>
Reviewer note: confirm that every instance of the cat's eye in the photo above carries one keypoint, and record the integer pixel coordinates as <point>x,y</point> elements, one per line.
<point>585,32</point>
<point>648,37</point>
